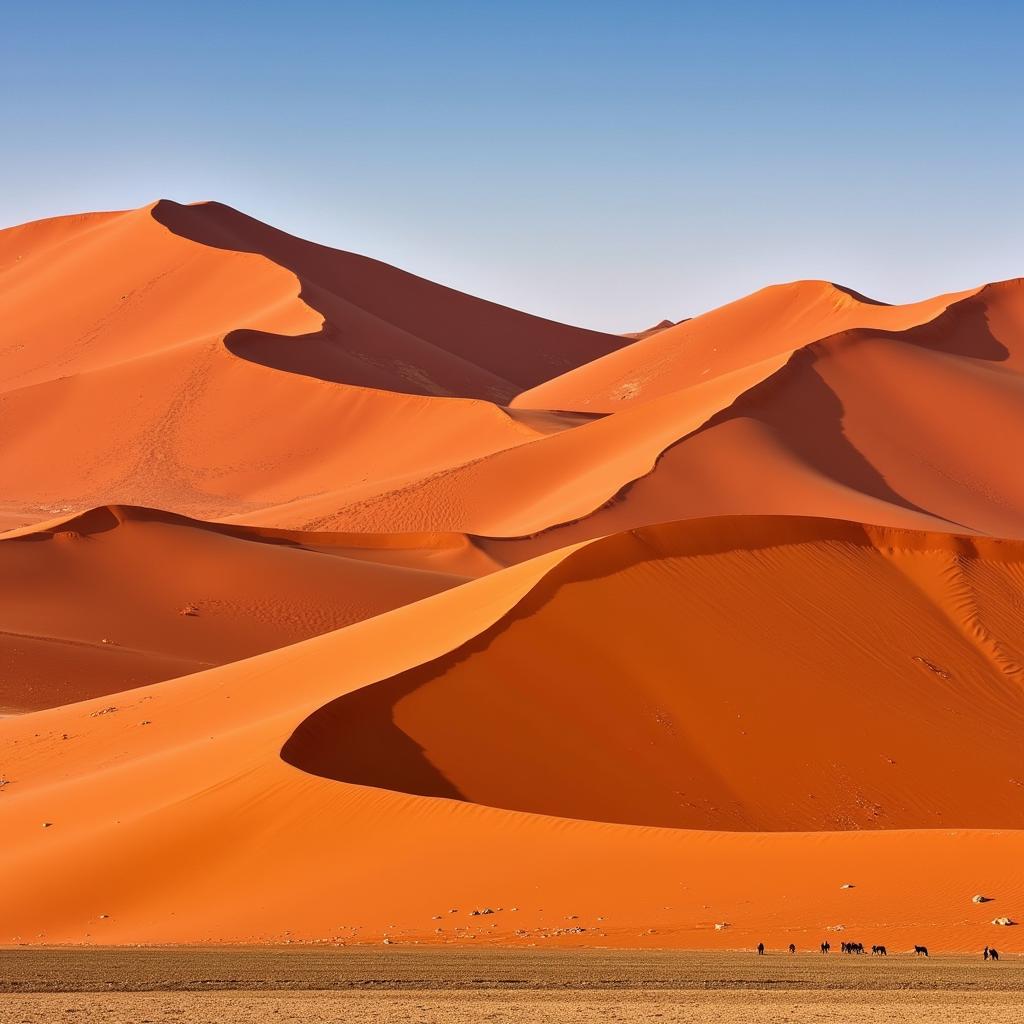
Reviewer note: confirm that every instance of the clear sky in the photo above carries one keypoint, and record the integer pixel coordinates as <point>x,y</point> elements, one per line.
<point>607,164</point>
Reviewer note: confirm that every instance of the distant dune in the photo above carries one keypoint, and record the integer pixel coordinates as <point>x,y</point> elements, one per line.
<point>336,605</point>
<point>119,597</point>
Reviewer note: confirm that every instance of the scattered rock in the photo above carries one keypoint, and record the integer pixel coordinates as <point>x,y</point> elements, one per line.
<point>103,711</point>
<point>481,913</point>
<point>721,926</point>
<point>847,885</point>
<point>103,917</point>
<point>1006,922</point>
<point>189,610</point>
<point>835,928</point>
<point>981,899</point>
<point>932,667</point>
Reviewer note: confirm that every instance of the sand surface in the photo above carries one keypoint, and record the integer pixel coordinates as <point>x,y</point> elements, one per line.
<point>338,606</point>
<point>427,986</point>
<point>429,1007</point>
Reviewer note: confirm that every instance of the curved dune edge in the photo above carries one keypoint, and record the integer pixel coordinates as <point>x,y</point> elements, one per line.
<point>385,328</point>
<point>192,829</point>
<point>412,549</point>
<point>189,279</point>
<point>773,322</point>
<point>175,396</point>
<point>119,597</point>
<point>565,484</point>
<point>848,428</point>
<point>556,479</point>
<point>879,685</point>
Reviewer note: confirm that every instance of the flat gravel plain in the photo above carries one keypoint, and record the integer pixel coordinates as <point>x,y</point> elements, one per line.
<point>317,985</point>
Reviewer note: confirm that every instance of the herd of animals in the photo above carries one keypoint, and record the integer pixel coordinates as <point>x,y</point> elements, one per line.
<point>857,948</point>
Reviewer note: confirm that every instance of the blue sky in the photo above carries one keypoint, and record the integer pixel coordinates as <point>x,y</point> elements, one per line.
<point>607,164</point>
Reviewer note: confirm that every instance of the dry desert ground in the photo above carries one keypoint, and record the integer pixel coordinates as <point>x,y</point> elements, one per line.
<point>341,985</point>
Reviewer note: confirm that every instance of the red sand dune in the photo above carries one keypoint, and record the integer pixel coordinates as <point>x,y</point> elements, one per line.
<point>635,638</point>
<point>773,321</point>
<point>119,597</point>
<point>651,715</point>
<point>150,360</point>
<point>215,823</point>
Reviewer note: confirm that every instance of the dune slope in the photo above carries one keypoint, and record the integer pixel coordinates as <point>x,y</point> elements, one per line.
<point>878,684</point>
<point>119,597</point>
<point>216,369</point>
<point>196,828</point>
<point>122,385</point>
<point>774,321</point>
<point>335,604</point>
<point>384,328</point>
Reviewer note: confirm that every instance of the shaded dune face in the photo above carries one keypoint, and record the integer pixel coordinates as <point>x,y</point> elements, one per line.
<point>734,674</point>
<point>385,328</point>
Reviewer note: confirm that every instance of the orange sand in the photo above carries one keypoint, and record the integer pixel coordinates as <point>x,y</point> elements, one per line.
<point>119,597</point>
<point>626,639</point>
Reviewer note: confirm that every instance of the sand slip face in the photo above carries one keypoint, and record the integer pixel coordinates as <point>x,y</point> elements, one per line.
<point>442,607</point>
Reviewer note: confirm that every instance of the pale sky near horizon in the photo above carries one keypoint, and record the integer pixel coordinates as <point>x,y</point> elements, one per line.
<point>606,164</point>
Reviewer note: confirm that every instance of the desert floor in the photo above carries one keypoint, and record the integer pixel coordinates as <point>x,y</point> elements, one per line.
<point>234,986</point>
